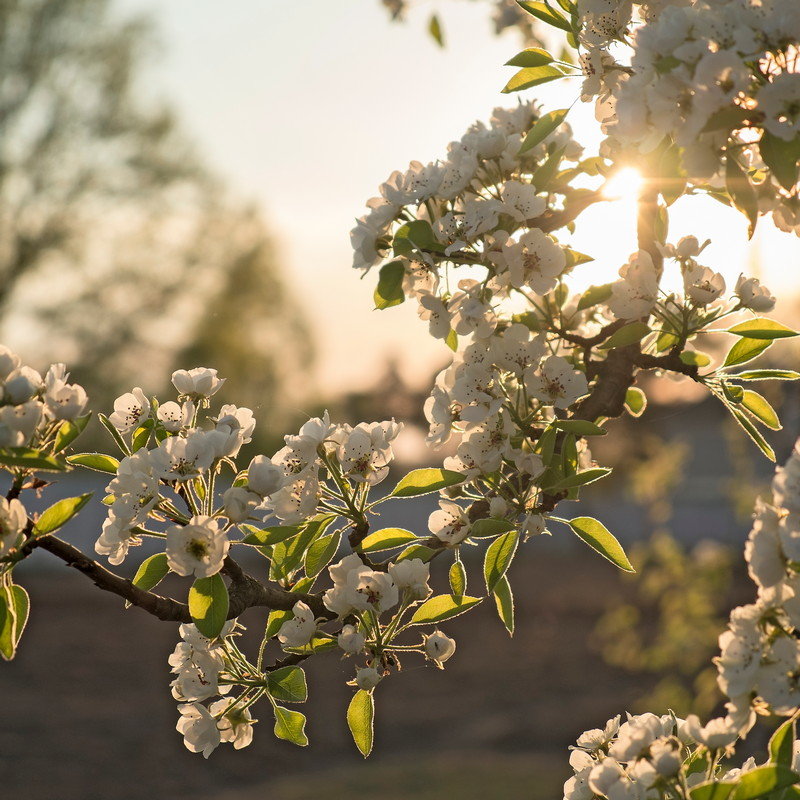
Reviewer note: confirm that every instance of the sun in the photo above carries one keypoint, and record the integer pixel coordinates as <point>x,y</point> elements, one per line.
<point>624,184</point>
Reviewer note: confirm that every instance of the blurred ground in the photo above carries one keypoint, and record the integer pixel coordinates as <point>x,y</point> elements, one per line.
<point>87,711</point>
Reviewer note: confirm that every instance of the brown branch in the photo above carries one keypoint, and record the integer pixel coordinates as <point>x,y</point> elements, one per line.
<point>163,608</point>
<point>245,591</point>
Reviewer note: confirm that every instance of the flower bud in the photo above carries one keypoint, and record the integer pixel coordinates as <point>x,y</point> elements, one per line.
<point>439,647</point>
<point>498,507</point>
<point>367,678</point>
<point>197,383</point>
<point>239,504</point>
<point>350,640</point>
<point>263,477</point>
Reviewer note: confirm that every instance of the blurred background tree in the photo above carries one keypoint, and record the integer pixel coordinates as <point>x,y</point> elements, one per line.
<point>149,260</point>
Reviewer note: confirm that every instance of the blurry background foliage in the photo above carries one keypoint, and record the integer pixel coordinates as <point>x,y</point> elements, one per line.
<point>666,620</point>
<point>147,259</point>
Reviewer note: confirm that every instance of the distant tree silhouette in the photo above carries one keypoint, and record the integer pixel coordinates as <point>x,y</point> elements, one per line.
<point>104,200</point>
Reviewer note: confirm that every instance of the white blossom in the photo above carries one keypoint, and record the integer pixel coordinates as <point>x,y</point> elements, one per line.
<point>449,523</point>
<point>351,640</point>
<point>198,728</point>
<point>299,630</point>
<point>439,647</point>
<point>197,384</point>
<point>197,548</point>
<point>367,678</point>
<point>13,519</point>
<point>130,410</point>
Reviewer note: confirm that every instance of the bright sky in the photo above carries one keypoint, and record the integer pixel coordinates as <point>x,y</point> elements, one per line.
<point>308,106</point>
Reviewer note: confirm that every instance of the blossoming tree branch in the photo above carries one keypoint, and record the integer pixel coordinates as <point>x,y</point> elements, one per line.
<point>702,98</point>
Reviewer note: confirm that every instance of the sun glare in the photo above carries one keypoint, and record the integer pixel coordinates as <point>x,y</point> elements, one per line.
<point>623,185</point>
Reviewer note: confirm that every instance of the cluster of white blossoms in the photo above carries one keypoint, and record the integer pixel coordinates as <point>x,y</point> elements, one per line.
<point>527,349</point>
<point>32,406</point>
<point>719,78</point>
<point>33,410</point>
<point>480,198</point>
<point>150,482</point>
<point>650,756</point>
<point>758,668</point>
<point>637,294</point>
<point>759,661</point>
<point>199,664</point>
<point>170,485</point>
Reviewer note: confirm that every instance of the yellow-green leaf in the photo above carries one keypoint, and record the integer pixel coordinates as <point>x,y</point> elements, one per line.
<point>208,605</point>
<point>360,720</point>
<point>600,539</point>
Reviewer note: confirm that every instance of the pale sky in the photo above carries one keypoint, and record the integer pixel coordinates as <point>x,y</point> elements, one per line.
<point>307,106</point>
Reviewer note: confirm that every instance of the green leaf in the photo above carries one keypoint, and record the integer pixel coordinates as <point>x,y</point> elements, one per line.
<point>361,719</point>
<point>28,458</point>
<point>208,605</point>
<point>745,350</point>
<point>695,358</point>
<point>275,620</point>
<point>580,479</point>
<point>781,157</point>
<point>415,235</point>
<point>266,536</point>
<point>288,685</point>
<point>635,401</point>
<point>70,430</point>
<point>504,601</point>
<point>425,481</point>
<point>14,610</point>
<point>753,432</point>
<point>290,725</point>
<point>114,433</point>
<point>766,375</point>
<point>545,446</point>
<point>594,295</point>
<point>530,57</point>
<point>628,334</point>
<point>542,128</point>
<point>319,643</point>
<point>389,291</point>
<point>532,76</point>
<point>386,539</point>
<point>420,551</point>
<point>499,556</point>
<point>141,436</point>
<point>542,178</point>
<point>451,340</point>
<point>713,790</point>
<point>490,527</point>
<point>545,14</point>
<point>762,328</point>
<point>599,538</point>
<point>763,780</point>
<point>60,513</point>
<point>580,427</point>
<point>442,607</point>
<point>321,553</point>
<point>761,409</point>
<point>289,554</point>
<point>575,258</point>
<point>98,462</point>
<point>741,192</point>
<point>151,572</point>
<point>458,579</point>
<point>665,340</point>
<point>781,744</point>
<point>435,30</point>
